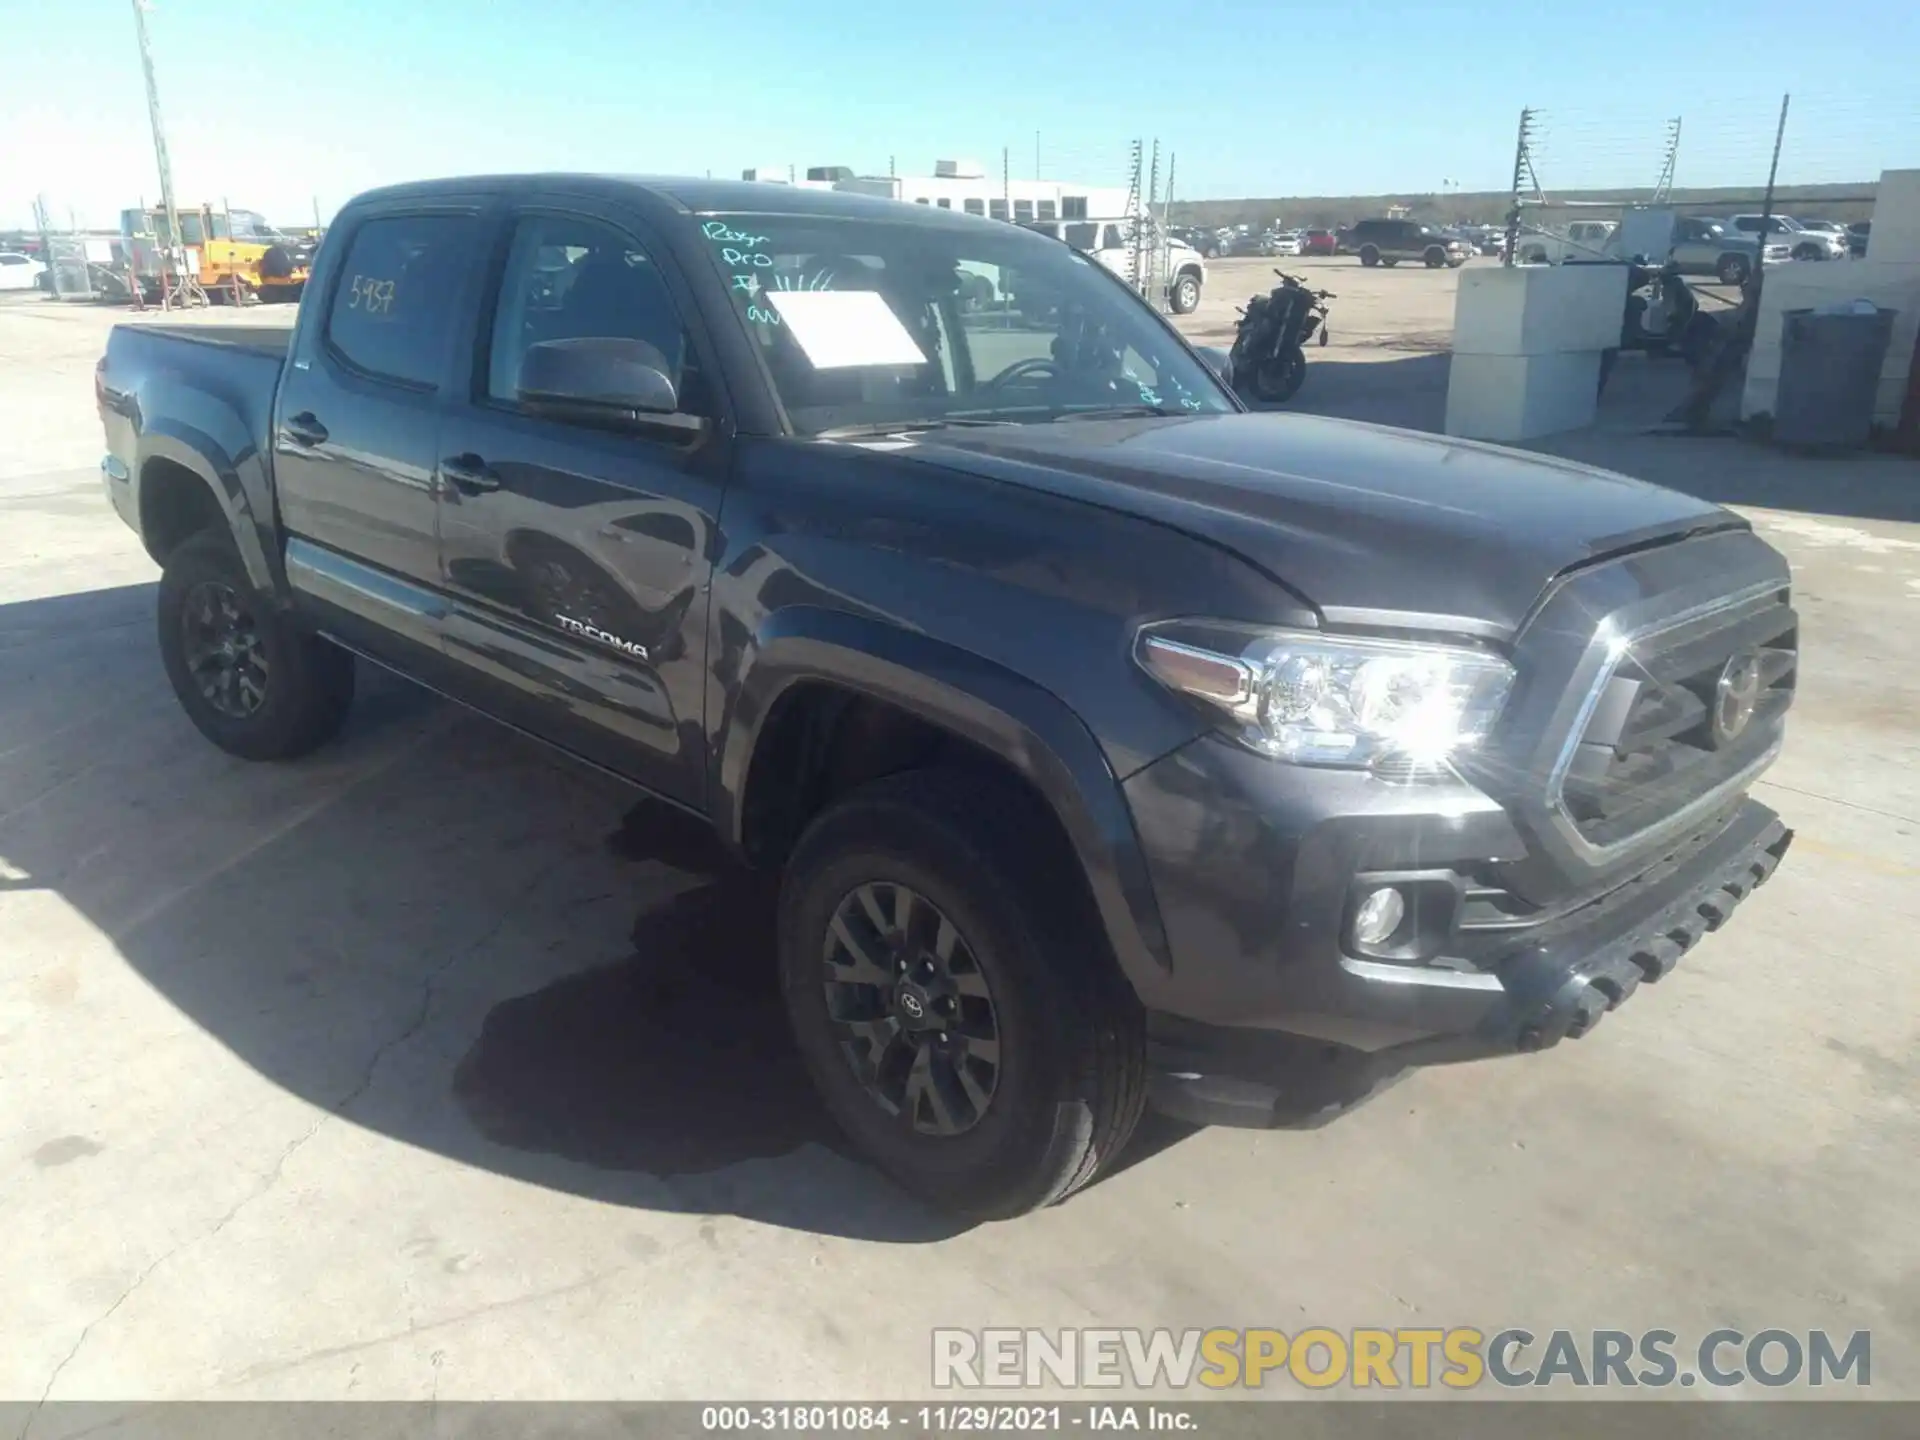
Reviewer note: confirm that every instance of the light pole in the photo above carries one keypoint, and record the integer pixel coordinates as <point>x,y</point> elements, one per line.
<point>159,155</point>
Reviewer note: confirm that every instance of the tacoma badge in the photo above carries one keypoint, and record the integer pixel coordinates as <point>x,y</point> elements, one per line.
<point>580,627</point>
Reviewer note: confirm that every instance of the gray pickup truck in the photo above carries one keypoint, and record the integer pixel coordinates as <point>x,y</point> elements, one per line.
<point>1709,247</point>
<point>1112,745</point>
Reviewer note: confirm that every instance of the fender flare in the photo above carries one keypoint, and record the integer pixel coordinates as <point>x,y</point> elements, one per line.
<point>1022,724</point>
<point>226,476</point>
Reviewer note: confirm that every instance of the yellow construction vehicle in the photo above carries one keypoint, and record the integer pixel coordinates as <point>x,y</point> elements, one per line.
<point>233,254</point>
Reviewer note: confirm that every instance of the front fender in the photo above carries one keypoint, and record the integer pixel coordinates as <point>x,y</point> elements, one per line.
<point>1005,714</point>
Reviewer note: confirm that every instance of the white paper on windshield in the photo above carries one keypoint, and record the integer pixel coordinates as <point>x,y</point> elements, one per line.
<point>838,329</point>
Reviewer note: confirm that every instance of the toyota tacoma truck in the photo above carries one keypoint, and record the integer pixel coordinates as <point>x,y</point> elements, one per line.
<point>1111,745</point>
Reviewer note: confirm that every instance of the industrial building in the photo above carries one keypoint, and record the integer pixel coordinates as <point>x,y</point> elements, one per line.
<point>965,185</point>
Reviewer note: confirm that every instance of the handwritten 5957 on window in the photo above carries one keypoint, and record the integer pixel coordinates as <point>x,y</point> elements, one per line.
<point>370,295</point>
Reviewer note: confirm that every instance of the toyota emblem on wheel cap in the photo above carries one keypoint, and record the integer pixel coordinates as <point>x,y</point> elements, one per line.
<point>1735,695</point>
<point>910,1003</point>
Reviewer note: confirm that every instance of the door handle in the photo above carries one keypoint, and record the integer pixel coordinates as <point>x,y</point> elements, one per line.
<point>305,429</point>
<point>469,474</point>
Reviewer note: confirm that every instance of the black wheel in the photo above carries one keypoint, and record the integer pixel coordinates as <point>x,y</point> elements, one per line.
<point>250,681</point>
<point>953,998</point>
<point>1435,257</point>
<point>1809,252</point>
<point>1733,270</point>
<point>1369,255</point>
<point>1186,294</point>
<point>1278,378</point>
<point>276,263</point>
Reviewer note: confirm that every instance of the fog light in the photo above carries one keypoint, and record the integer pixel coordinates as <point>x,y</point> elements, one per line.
<point>1379,916</point>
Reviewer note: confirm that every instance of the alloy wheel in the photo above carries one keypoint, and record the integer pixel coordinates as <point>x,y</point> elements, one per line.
<point>911,1008</point>
<point>221,644</point>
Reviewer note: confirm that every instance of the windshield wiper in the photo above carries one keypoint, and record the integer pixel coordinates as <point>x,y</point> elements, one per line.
<point>904,427</point>
<point>1119,412</point>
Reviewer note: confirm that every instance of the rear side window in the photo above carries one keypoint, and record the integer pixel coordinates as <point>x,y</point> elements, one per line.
<point>394,304</point>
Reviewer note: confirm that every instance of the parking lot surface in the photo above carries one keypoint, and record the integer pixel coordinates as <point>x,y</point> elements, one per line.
<point>420,1068</point>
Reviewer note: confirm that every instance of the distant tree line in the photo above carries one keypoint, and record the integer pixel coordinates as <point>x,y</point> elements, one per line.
<point>1842,202</point>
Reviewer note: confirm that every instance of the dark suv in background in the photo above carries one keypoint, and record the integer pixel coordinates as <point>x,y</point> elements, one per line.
<point>1388,242</point>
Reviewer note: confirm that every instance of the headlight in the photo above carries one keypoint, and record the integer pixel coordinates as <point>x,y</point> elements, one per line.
<point>1316,699</point>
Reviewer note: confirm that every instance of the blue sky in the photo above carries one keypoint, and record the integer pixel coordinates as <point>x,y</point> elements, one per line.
<point>328,97</point>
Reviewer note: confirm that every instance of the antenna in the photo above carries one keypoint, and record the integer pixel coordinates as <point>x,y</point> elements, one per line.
<point>159,155</point>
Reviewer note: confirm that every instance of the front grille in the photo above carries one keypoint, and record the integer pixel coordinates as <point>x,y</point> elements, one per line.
<point>1681,714</point>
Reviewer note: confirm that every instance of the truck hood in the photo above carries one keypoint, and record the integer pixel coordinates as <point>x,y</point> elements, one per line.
<point>1355,519</point>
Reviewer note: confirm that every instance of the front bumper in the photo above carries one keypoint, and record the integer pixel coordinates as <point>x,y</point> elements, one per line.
<point>1268,1020</point>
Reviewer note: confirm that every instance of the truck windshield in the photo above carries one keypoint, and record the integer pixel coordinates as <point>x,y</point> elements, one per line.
<point>868,324</point>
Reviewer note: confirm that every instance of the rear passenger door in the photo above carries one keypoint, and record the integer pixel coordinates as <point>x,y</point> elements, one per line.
<point>356,425</point>
<point>577,558</point>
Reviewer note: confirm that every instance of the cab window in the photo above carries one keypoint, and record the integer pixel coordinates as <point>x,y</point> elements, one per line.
<point>570,278</point>
<point>394,301</point>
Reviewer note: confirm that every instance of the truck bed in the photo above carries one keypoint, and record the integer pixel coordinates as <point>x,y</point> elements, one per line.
<point>211,386</point>
<point>268,339</point>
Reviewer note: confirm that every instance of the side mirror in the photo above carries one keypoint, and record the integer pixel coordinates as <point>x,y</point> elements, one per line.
<point>1218,361</point>
<point>601,379</point>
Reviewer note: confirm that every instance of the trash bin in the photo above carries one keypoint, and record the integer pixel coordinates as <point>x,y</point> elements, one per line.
<point>1830,374</point>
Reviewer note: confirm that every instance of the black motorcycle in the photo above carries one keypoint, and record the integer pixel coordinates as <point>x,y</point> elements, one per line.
<point>1270,348</point>
<point>1663,314</point>
<point>1663,317</point>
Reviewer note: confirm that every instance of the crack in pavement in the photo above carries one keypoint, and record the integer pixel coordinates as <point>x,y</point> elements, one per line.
<point>1836,800</point>
<point>337,1109</point>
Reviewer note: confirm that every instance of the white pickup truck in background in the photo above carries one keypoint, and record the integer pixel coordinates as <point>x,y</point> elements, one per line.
<point>1184,272</point>
<point>1580,240</point>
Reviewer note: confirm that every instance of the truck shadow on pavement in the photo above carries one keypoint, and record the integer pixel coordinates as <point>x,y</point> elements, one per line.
<point>428,929</point>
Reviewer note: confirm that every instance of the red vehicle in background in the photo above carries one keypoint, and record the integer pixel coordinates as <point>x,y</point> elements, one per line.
<point>1319,242</point>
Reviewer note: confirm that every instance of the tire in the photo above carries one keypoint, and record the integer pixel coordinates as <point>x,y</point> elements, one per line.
<point>1186,294</point>
<point>1070,1078</point>
<point>1277,379</point>
<point>1809,252</point>
<point>1733,269</point>
<point>302,686</point>
<point>1435,257</point>
<point>1369,255</point>
<point>276,263</point>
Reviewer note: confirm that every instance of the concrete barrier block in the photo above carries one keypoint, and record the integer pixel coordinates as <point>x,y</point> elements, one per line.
<point>1539,309</point>
<point>1510,398</point>
<point>1896,218</point>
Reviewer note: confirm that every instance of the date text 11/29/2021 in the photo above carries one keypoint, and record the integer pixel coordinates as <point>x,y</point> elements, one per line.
<point>932,1419</point>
